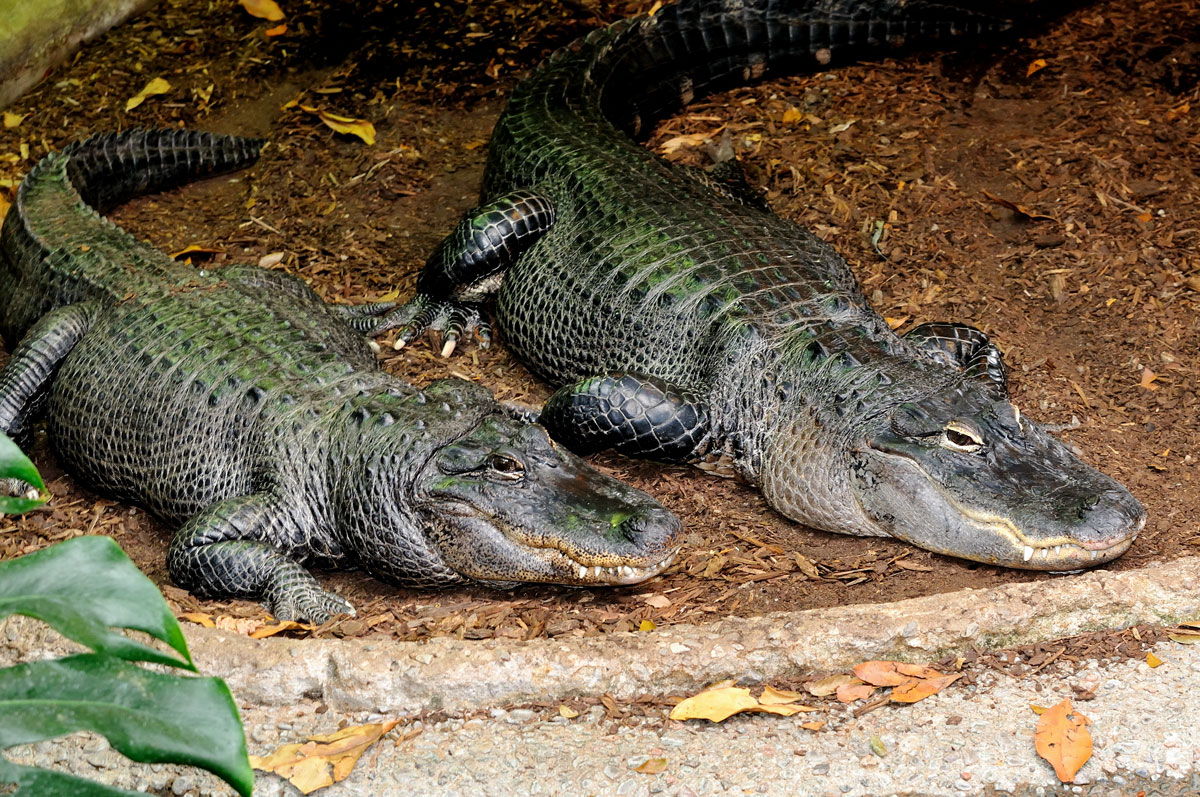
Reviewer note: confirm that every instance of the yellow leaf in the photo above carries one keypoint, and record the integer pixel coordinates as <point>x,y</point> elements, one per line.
<point>4,205</point>
<point>1036,66</point>
<point>200,618</point>
<point>263,9</point>
<point>646,625</point>
<point>323,759</point>
<point>786,711</point>
<point>567,712</point>
<point>1062,738</point>
<point>1039,710</point>
<point>679,142</point>
<point>344,124</point>
<point>896,323</point>
<point>278,30</point>
<point>264,631</point>
<point>193,249</point>
<point>777,697</point>
<point>1184,639</point>
<point>13,119</point>
<point>238,625</point>
<point>792,115</point>
<point>155,86</point>
<point>716,705</point>
<point>1152,660</point>
<point>813,726</point>
<point>651,766</point>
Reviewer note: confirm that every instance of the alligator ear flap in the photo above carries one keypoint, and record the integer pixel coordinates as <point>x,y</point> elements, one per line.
<point>640,416</point>
<point>964,347</point>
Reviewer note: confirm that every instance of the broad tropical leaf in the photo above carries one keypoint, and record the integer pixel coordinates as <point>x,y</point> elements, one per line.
<point>36,782</point>
<point>84,586</point>
<point>147,716</point>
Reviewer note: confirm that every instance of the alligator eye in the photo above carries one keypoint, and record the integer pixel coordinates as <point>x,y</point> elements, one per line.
<point>507,467</point>
<point>957,437</point>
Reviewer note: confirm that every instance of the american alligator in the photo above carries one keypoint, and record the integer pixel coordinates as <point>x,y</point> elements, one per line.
<point>239,406</point>
<point>685,322</point>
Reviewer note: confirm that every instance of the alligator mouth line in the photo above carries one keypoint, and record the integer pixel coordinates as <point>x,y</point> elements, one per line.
<point>624,574</point>
<point>1055,550</point>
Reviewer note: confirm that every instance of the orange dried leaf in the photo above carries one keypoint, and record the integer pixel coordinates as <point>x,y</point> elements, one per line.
<point>199,618</point>
<point>1062,738</point>
<point>278,30</point>
<point>1152,660</point>
<point>848,693</point>
<point>1036,66</point>
<point>895,323</point>
<point>195,250</point>
<point>892,673</point>
<point>1148,378</point>
<point>715,705</point>
<point>263,9</point>
<point>827,686</point>
<point>921,688</point>
<point>1039,710</point>
<point>657,601</point>
<point>238,625</point>
<point>651,766</point>
<point>813,726</point>
<point>792,115</point>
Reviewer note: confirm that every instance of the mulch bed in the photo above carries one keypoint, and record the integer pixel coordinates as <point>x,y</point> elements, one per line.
<point>1055,205</point>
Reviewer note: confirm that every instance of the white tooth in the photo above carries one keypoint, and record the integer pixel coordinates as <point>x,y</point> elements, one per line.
<point>582,571</point>
<point>1027,554</point>
<point>627,570</point>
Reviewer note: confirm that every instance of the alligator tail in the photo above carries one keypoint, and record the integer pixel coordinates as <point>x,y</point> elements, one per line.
<point>56,248</point>
<point>109,168</point>
<point>653,66</point>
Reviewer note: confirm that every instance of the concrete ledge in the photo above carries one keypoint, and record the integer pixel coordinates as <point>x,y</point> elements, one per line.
<point>453,674</point>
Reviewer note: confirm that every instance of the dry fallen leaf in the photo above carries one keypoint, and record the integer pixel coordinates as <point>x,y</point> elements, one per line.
<point>194,250</point>
<point>1148,378</point>
<point>646,625</point>
<point>651,766</point>
<point>895,323</point>
<point>4,206</point>
<point>264,631</point>
<point>324,759</point>
<point>892,673</point>
<point>238,625</point>
<point>1062,738</point>
<point>848,693</point>
<point>567,712</point>
<point>828,685</point>
<point>13,119</point>
<point>263,9</point>
<point>1013,206</point>
<point>778,697</point>
<point>200,618</point>
<point>813,726</point>
<point>345,124</point>
<point>1036,66</point>
<point>155,86</point>
<point>792,115</point>
<point>1039,710</point>
<point>1184,639</point>
<point>691,140</point>
<point>657,601</point>
<point>715,705</point>
<point>921,688</point>
<point>1152,660</point>
<point>278,30</point>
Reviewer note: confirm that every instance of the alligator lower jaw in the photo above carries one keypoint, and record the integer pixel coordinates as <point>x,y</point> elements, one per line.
<point>1069,556</point>
<point>621,574</point>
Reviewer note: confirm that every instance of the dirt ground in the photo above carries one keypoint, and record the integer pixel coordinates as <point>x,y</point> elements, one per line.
<point>1044,188</point>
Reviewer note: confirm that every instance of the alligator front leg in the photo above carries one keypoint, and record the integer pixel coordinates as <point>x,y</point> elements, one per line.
<point>964,347</point>
<point>640,416</point>
<point>467,267</point>
<point>34,362</point>
<point>221,553</point>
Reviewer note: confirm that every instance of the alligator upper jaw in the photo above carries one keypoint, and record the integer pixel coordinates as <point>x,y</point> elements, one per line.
<point>614,575</point>
<point>1057,554</point>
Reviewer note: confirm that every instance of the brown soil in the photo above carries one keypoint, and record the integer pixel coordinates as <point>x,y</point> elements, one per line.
<point>1056,210</point>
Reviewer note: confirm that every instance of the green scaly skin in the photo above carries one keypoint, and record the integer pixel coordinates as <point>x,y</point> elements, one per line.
<point>685,322</point>
<point>240,407</point>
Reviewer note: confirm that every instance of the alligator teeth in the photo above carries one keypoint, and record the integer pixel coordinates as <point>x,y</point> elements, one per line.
<point>1027,554</point>
<point>1096,554</point>
<point>583,571</point>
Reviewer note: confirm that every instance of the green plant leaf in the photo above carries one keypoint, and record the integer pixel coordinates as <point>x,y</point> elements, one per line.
<point>147,716</point>
<point>15,465</point>
<point>84,586</point>
<point>34,782</point>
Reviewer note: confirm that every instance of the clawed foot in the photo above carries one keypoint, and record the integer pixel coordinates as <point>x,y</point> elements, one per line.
<point>308,603</point>
<point>17,488</point>
<point>452,319</point>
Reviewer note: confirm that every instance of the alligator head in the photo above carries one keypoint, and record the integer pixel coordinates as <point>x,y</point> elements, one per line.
<point>504,503</point>
<point>962,472</point>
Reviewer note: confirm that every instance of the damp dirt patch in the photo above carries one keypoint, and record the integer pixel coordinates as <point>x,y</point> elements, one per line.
<point>1044,189</point>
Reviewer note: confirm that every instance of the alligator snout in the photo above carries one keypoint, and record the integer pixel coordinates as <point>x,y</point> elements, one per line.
<point>651,529</point>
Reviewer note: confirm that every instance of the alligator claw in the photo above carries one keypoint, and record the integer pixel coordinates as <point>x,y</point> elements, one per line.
<point>310,604</point>
<point>454,320</point>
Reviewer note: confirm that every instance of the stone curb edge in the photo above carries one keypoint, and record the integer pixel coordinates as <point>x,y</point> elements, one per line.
<point>449,674</point>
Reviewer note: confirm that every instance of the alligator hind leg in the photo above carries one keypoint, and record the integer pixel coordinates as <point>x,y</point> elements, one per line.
<point>640,416</point>
<point>219,553</point>
<point>466,268</point>
<point>34,362</point>
<point>964,347</point>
